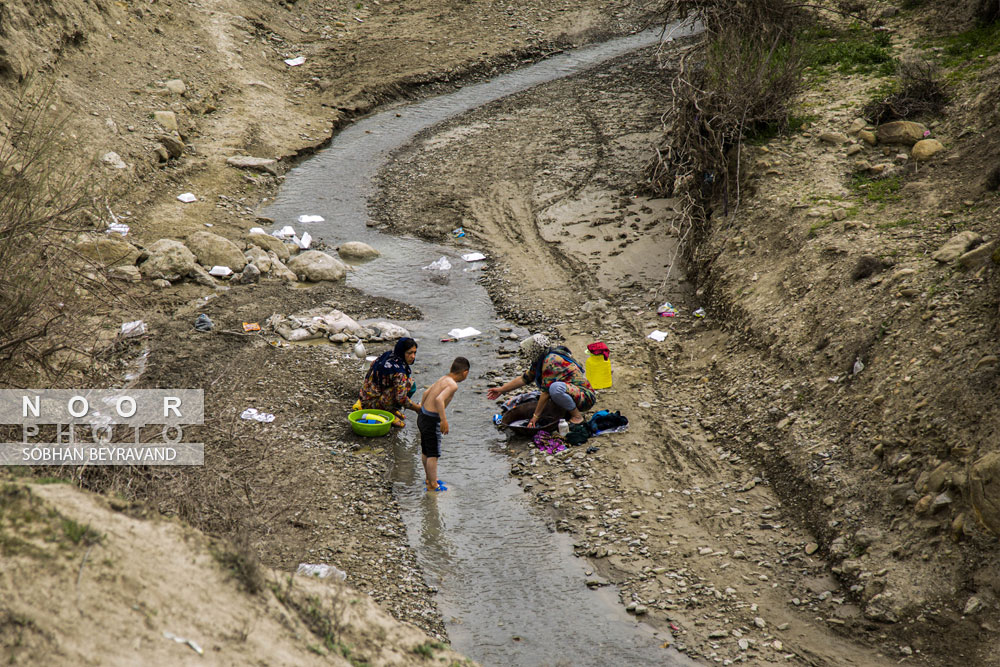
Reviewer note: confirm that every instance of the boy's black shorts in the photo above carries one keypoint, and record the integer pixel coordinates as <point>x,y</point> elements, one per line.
<point>429,427</point>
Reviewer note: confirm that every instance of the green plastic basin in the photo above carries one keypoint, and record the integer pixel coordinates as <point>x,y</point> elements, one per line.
<point>371,430</point>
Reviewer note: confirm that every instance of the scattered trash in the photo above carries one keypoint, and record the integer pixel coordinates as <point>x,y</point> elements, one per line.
<point>203,323</point>
<point>132,329</point>
<point>251,326</point>
<point>439,265</point>
<point>666,310</point>
<point>310,218</point>
<point>220,271</point>
<point>180,640</point>
<point>294,62</point>
<point>591,450</point>
<point>257,230</point>
<point>699,313</point>
<point>187,198</point>
<point>464,333</point>
<point>658,336</point>
<point>251,413</point>
<point>497,418</point>
<point>563,427</point>
<point>449,340</point>
<point>117,228</point>
<point>304,242</point>
<point>458,233</point>
<point>321,571</point>
<point>285,232</point>
<point>858,366</point>
<point>359,350</point>
<point>368,358</point>
<point>473,256</point>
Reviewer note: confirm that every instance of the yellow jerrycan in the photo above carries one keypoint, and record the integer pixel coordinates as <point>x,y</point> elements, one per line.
<point>598,371</point>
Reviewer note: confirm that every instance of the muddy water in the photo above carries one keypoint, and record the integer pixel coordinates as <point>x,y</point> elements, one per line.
<point>509,588</point>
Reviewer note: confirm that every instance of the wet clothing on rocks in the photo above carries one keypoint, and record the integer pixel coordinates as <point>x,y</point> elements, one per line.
<point>388,384</point>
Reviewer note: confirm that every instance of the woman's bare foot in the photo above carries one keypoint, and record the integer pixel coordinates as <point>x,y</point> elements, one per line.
<point>575,417</point>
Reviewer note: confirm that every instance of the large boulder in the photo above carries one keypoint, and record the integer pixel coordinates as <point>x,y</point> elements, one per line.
<point>389,331</point>
<point>984,490</point>
<point>271,244</point>
<point>279,270</point>
<point>258,257</point>
<point>315,266</point>
<point>956,246</point>
<point>109,251</point>
<point>901,132</point>
<point>357,250</point>
<point>169,259</point>
<point>214,250</point>
<point>925,149</point>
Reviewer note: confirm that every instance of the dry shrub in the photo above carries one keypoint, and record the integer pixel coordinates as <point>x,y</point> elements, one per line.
<point>43,196</point>
<point>742,76</point>
<point>918,91</point>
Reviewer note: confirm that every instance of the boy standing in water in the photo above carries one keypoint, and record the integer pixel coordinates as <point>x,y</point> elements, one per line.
<point>432,422</point>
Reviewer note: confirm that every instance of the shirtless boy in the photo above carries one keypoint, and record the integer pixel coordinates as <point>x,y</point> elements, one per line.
<point>432,422</point>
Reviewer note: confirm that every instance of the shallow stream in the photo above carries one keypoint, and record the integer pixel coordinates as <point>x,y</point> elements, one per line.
<point>510,589</point>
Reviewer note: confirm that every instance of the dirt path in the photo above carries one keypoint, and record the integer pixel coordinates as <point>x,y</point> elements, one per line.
<point>694,535</point>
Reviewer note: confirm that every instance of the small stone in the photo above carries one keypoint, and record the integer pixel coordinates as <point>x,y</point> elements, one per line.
<point>743,643</point>
<point>166,119</point>
<point>868,137</point>
<point>175,86</point>
<point>956,246</point>
<point>114,160</point>
<point>839,214</point>
<point>834,138</point>
<point>175,147</point>
<point>262,164</point>
<point>759,622</point>
<point>973,605</point>
<point>854,150</point>
<point>811,548</point>
<point>160,283</point>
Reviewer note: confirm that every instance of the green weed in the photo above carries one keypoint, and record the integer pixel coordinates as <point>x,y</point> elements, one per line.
<point>881,191</point>
<point>80,533</point>
<point>427,649</point>
<point>854,51</point>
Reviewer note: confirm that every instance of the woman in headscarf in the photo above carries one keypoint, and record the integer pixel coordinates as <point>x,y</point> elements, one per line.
<point>388,385</point>
<point>558,376</point>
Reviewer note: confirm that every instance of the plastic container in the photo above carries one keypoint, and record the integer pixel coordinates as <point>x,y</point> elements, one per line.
<point>598,371</point>
<point>563,427</point>
<point>371,430</point>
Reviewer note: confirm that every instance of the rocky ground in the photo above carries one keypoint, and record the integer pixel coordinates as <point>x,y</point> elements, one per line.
<point>772,500</point>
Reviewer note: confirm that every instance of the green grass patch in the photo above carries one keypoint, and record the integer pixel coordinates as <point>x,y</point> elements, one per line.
<point>877,190</point>
<point>427,649</point>
<point>976,44</point>
<point>80,533</point>
<point>856,50</point>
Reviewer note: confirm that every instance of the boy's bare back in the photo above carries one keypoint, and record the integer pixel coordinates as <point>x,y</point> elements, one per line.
<point>445,388</point>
